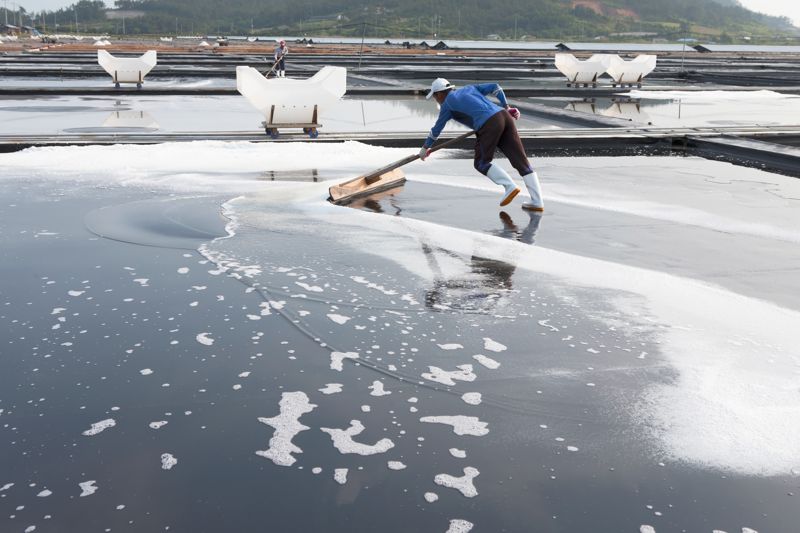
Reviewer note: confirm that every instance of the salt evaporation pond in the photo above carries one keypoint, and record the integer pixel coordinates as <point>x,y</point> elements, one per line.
<point>676,108</point>
<point>191,347</point>
<point>70,114</point>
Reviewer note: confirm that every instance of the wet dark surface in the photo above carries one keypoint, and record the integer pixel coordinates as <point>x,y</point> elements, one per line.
<point>661,245</point>
<point>133,307</point>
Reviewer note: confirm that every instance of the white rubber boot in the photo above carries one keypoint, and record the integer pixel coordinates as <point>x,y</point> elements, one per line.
<point>500,177</point>
<point>535,190</point>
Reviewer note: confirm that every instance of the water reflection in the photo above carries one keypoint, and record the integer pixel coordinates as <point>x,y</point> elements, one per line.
<point>292,175</point>
<point>380,202</point>
<point>691,109</point>
<point>131,120</point>
<point>481,286</point>
<point>511,231</point>
<point>625,108</point>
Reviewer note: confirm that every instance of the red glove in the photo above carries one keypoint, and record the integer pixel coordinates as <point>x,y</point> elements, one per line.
<point>514,112</point>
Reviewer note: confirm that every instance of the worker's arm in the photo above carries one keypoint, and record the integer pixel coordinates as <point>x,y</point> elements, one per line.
<point>444,116</point>
<point>493,89</point>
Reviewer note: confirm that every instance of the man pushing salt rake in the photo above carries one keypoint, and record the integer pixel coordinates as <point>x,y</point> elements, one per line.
<point>494,128</point>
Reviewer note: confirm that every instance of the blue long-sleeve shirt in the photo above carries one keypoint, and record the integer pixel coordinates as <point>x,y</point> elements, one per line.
<point>469,106</point>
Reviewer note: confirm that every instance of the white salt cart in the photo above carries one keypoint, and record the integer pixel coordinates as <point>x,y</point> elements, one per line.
<point>583,72</point>
<point>127,69</point>
<point>631,72</point>
<point>291,103</point>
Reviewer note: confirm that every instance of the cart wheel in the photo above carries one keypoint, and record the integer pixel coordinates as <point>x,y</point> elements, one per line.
<point>306,130</point>
<point>313,133</point>
<point>639,85</point>
<point>594,86</point>
<point>138,85</point>
<point>569,85</point>
<point>116,85</point>
<point>613,84</point>
<point>273,133</point>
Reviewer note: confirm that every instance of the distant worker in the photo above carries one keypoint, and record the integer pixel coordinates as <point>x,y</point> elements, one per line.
<point>494,128</point>
<point>280,58</point>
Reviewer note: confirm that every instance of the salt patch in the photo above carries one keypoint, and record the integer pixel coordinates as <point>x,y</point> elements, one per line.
<point>168,461</point>
<point>142,281</point>
<point>30,529</point>
<point>462,425</point>
<point>287,424</point>
<point>366,409</point>
<point>431,497</point>
<point>6,487</point>
<point>337,359</point>
<point>472,398</point>
<point>158,425</point>
<point>364,281</point>
<point>75,293</point>
<point>145,371</point>
<point>205,339</point>
<point>99,427</point>
<point>45,493</point>
<point>450,346</point>
<point>343,440</point>
<point>493,346</point>
<point>183,270</point>
<point>377,389</point>
<point>88,488</point>
<point>572,448</point>
<point>244,374</point>
<point>488,362</point>
<point>460,526</point>
<point>316,470</point>
<point>395,465</point>
<point>339,319</point>
<point>463,484</point>
<point>458,454</point>
<point>464,373</point>
<point>546,323</point>
<point>644,528</point>
<point>340,475</point>
<point>309,288</point>
<point>331,388</point>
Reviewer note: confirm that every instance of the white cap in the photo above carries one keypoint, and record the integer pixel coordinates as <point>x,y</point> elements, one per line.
<point>439,84</point>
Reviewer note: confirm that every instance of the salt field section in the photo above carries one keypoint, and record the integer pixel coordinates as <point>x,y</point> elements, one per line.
<point>196,339</point>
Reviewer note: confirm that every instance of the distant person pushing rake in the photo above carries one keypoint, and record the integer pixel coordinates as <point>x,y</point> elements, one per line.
<point>280,58</point>
<point>494,128</point>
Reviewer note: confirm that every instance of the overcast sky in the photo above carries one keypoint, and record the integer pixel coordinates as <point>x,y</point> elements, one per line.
<point>788,8</point>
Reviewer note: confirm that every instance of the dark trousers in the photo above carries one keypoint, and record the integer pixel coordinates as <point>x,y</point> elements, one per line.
<point>281,64</point>
<point>500,132</point>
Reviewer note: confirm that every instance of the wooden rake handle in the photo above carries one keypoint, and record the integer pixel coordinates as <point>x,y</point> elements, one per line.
<point>375,175</point>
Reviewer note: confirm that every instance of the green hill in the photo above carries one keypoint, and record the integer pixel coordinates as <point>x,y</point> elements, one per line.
<point>720,20</point>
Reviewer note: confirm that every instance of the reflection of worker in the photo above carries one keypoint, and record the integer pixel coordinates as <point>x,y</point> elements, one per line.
<point>511,230</point>
<point>280,58</point>
<point>494,128</point>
